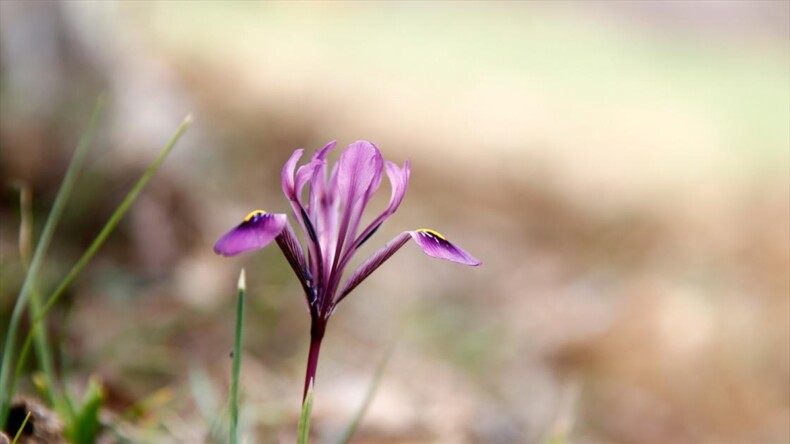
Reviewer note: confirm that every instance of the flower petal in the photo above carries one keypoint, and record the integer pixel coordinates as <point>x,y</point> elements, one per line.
<point>255,232</point>
<point>358,176</point>
<point>290,186</point>
<point>358,168</point>
<point>287,174</point>
<point>321,197</point>
<point>435,245</point>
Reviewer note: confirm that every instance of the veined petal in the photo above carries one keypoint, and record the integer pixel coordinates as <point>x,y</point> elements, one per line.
<point>358,168</point>
<point>435,245</point>
<point>255,232</point>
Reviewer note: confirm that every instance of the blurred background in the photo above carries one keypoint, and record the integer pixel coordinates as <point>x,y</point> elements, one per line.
<point>622,169</point>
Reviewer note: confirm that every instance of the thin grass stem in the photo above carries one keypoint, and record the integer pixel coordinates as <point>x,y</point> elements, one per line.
<point>234,383</point>
<point>21,428</point>
<point>38,256</point>
<point>43,350</point>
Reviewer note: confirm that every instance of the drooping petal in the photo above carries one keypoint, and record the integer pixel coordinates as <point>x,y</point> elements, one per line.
<point>256,231</point>
<point>372,263</point>
<point>435,245</point>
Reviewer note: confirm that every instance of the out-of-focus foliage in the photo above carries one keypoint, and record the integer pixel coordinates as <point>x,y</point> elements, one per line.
<point>622,169</point>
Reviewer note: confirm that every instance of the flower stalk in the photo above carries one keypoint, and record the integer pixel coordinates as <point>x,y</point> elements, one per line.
<point>316,337</point>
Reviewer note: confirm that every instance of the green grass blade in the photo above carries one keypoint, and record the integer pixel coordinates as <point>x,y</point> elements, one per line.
<point>234,383</point>
<point>39,333</point>
<point>303,433</point>
<point>38,256</point>
<point>374,384</point>
<point>21,427</point>
<point>100,239</point>
<point>116,216</point>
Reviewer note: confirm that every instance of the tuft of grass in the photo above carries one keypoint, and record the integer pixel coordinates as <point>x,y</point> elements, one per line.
<point>97,243</point>
<point>77,159</point>
<point>234,383</point>
<point>82,422</point>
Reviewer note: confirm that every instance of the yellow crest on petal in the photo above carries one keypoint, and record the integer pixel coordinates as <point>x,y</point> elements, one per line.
<point>432,233</point>
<point>253,214</point>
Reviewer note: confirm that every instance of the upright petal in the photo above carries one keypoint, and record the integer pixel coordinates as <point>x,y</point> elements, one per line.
<point>303,175</point>
<point>358,170</point>
<point>287,174</point>
<point>321,154</point>
<point>321,197</point>
<point>358,176</point>
<point>435,245</point>
<point>292,187</point>
<point>255,232</point>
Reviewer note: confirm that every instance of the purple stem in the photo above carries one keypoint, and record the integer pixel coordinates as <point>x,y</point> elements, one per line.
<point>316,335</point>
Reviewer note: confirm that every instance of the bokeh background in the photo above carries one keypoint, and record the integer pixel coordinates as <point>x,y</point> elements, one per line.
<point>621,168</point>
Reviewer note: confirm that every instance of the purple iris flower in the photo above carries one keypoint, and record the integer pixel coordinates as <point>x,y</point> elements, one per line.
<point>330,219</point>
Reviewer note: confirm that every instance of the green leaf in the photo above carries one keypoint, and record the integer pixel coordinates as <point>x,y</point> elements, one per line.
<point>304,420</point>
<point>85,426</point>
